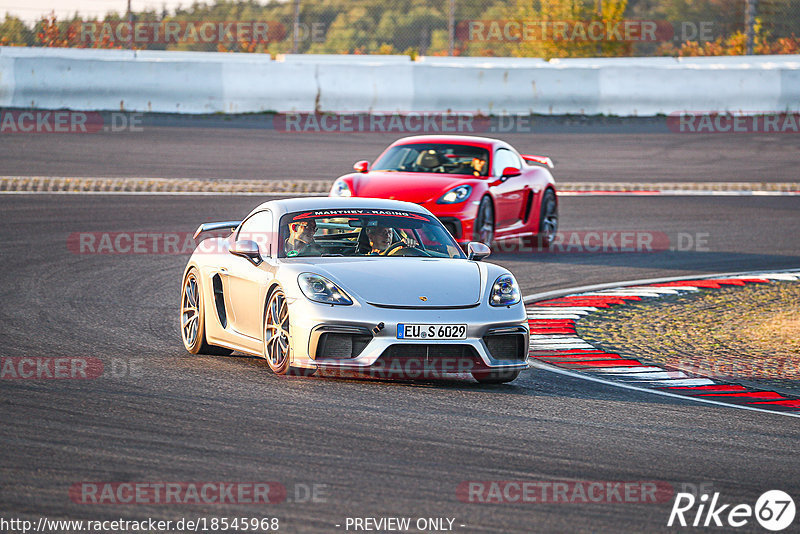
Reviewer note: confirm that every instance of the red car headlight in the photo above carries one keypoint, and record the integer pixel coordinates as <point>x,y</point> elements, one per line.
<point>456,195</point>
<point>341,189</point>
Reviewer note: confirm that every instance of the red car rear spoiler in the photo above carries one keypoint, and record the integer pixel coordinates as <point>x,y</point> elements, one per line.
<point>541,160</point>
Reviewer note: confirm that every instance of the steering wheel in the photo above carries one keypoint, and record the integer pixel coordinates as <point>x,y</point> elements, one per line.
<point>393,247</point>
<point>407,250</point>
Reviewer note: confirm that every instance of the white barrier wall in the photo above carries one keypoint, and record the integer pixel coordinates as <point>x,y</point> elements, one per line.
<point>195,82</point>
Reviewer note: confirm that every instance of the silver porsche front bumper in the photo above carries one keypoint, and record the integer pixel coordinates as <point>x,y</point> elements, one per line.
<point>364,336</point>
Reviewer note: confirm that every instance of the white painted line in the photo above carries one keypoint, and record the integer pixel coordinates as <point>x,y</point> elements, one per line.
<point>622,294</point>
<point>625,385</point>
<point>687,288</point>
<point>627,370</point>
<point>556,342</point>
<point>574,317</point>
<point>775,276</point>
<point>545,346</point>
<point>556,313</point>
<point>661,290</point>
<point>682,382</point>
<point>562,309</point>
<point>542,338</point>
<point>656,375</point>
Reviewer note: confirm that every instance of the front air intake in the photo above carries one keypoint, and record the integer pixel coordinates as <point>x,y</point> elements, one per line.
<point>510,347</point>
<point>336,345</point>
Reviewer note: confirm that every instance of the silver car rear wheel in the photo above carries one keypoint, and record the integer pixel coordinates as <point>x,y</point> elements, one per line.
<point>193,320</point>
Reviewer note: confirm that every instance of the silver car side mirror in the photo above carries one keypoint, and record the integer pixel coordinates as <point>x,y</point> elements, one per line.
<point>477,251</point>
<point>247,249</point>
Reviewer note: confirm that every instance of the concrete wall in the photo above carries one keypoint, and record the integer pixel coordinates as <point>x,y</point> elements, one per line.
<point>195,82</point>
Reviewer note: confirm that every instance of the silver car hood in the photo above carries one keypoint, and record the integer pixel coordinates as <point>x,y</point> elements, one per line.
<point>417,282</point>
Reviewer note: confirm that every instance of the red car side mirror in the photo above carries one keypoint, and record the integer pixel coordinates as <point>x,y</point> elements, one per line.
<point>362,166</point>
<point>509,172</point>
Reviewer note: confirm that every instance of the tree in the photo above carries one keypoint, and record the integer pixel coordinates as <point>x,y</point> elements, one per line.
<point>14,32</point>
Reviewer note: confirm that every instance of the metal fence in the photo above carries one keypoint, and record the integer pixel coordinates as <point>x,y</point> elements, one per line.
<point>523,28</point>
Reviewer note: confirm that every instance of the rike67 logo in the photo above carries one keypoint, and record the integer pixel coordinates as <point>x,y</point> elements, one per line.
<point>774,510</point>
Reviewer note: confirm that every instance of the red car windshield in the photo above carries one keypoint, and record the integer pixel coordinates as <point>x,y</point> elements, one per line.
<point>435,158</point>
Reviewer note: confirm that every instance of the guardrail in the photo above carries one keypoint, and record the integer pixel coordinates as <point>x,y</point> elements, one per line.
<point>198,82</point>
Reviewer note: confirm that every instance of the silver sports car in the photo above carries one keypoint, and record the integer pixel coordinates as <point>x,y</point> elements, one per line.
<point>352,284</point>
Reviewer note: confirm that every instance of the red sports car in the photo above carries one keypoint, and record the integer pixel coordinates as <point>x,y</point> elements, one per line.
<point>481,189</point>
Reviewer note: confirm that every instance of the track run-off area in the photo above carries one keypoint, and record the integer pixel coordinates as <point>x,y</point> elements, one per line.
<point>369,447</point>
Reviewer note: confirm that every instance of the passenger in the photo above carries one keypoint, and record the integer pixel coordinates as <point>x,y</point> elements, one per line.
<point>478,165</point>
<point>301,237</point>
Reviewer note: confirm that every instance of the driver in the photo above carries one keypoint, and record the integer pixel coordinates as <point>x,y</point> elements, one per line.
<point>380,239</point>
<point>301,236</point>
<point>478,165</point>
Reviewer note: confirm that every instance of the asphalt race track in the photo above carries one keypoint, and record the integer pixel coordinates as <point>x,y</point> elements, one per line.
<point>248,147</point>
<point>374,448</point>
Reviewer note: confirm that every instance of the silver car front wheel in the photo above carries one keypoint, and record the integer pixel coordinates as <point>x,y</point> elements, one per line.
<point>276,333</point>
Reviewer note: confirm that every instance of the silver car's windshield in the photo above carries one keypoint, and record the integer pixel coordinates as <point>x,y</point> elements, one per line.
<point>365,232</point>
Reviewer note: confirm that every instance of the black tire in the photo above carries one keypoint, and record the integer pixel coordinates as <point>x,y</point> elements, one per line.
<point>483,229</point>
<point>301,371</point>
<point>192,318</point>
<point>496,377</point>
<point>548,219</point>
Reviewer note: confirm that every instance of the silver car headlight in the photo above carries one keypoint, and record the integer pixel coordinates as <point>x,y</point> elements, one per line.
<point>456,195</point>
<point>341,189</point>
<point>320,289</point>
<point>505,291</point>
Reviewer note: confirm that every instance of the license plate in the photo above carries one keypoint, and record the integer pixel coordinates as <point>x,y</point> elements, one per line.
<point>431,331</point>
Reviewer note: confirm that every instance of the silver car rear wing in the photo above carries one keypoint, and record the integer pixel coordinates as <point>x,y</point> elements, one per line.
<point>210,227</point>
